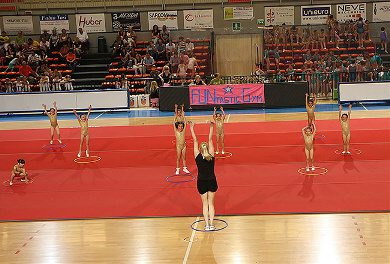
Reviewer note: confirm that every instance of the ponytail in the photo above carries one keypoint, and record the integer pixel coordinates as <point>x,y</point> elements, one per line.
<point>204,149</point>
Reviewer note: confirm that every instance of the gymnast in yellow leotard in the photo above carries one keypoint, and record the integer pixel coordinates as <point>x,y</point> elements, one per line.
<point>83,121</point>
<point>180,133</point>
<point>344,121</point>
<point>310,107</point>
<point>52,114</point>
<point>19,171</point>
<point>179,113</point>
<point>308,135</point>
<point>219,131</point>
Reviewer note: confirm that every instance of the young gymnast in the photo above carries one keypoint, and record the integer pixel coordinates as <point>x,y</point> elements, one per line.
<point>344,121</point>
<point>53,122</point>
<point>219,131</point>
<point>179,126</point>
<point>19,171</point>
<point>310,107</point>
<point>179,113</point>
<point>83,120</point>
<point>207,182</point>
<point>308,135</point>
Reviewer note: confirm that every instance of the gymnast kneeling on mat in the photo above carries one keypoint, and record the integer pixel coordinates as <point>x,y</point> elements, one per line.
<point>19,171</point>
<point>207,182</point>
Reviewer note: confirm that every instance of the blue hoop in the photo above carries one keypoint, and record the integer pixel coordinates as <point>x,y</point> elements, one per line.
<point>192,226</point>
<point>321,136</point>
<point>180,175</point>
<point>59,146</point>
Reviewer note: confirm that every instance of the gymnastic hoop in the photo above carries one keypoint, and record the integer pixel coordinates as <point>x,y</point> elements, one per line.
<point>340,152</point>
<point>188,239</point>
<point>19,182</point>
<point>93,159</point>
<point>219,229</point>
<point>313,173</point>
<point>53,146</point>
<point>168,179</point>
<point>226,155</point>
<point>320,136</point>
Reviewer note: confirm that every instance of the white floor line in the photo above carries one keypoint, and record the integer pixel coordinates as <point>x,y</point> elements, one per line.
<point>190,243</point>
<point>100,115</point>
<point>364,107</point>
<point>227,120</point>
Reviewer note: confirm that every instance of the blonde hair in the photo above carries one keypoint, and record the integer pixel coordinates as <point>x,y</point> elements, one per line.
<point>204,149</point>
<point>153,86</point>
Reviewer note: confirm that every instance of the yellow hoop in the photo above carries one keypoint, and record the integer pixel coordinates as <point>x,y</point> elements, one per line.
<point>77,160</point>
<point>224,157</point>
<point>312,173</point>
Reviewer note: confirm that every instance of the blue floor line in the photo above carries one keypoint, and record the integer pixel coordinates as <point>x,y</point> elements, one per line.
<point>136,113</point>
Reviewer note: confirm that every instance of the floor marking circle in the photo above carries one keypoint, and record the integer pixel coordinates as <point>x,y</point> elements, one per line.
<point>315,172</point>
<point>18,182</point>
<point>218,229</point>
<point>53,146</point>
<point>354,152</point>
<point>320,136</point>
<point>188,239</point>
<point>168,179</point>
<point>223,156</point>
<point>90,159</point>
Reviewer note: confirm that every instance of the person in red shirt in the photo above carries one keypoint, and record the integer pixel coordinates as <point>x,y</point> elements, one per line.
<point>64,51</point>
<point>25,70</point>
<point>71,59</point>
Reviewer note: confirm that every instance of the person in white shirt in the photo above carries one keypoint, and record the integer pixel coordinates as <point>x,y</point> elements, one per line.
<point>33,59</point>
<point>83,37</point>
<point>189,46</point>
<point>170,49</point>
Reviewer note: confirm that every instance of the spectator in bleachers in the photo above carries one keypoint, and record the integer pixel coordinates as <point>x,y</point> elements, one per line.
<point>166,75</point>
<point>266,58</point>
<point>384,39</point>
<point>33,43</point>
<point>376,61</point>
<point>165,34</point>
<point>352,68</point>
<point>322,39</point>
<point>77,46</point>
<point>277,35</point>
<point>174,61</point>
<point>368,76</point>
<point>154,90</point>
<point>83,37</point>
<point>43,57</point>
<point>277,56</point>
<point>12,64</point>
<point>337,32</point>
<point>192,65</point>
<point>189,46</point>
<point>315,39</point>
<point>138,64</point>
<point>19,84</point>
<point>45,35</point>
<point>71,60</point>
<point>284,32</point>
<point>63,52</point>
<point>132,52</point>
<point>290,72</point>
<point>151,49</point>
<point>155,34</point>
<point>366,27</point>
<point>53,40</point>
<point>26,85</point>
<point>69,42</point>
<point>67,81</point>
<point>56,74</point>
<point>4,40</point>
<point>27,50</point>
<point>329,27</point>
<point>148,62</point>
<point>181,47</point>
<point>121,33</point>
<point>182,71</point>
<point>268,37</point>
<point>124,59</point>
<point>10,52</point>
<point>349,29</point>
<point>170,47</point>
<point>155,76</point>
<point>2,56</point>
<point>25,70</point>
<point>185,58</point>
<point>8,86</point>
<point>20,39</point>
<point>116,49</point>
<point>56,82</point>
<point>360,31</point>
<point>160,49</point>
<point>197,81</point>
<point>217,80</point>
<point>295,34</point>
<point>128,42</point>
<point>33,59</point>
<point>44,45</point>
<point>131,33</point>
<point>63,38</point>
<point>44,84</point>
<point>44,70</point>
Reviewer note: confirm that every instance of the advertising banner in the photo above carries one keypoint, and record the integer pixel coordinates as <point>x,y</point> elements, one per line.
<point>227,94</point>
<point>91,22</point>
<point>160,18</point>
<point>381,12</point>
<point>12,24</point>
<point>238,13</point>
<point>351,12</point>
<point>314,15</point>
<point>126,19</point>
<point>49,22</point>
<point>279,15</point>
<point>198,19</point>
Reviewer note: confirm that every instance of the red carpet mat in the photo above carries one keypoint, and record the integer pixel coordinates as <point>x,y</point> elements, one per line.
<point>262,176</point>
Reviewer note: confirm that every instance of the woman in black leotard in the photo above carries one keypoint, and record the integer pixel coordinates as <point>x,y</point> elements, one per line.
<point>207,182</point>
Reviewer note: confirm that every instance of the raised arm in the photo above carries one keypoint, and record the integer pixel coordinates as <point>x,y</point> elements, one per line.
<point>214,115</point>
<point>211,145</point>
<point>223,113</point>
<point>55,107</point>
<point>307,105</point>
<point>175,109</point>
<point>44,107</point>
<point>75,112</point>
<point>349,111</point>
<point>340,108</point>
<point>315,101</point>
<point>196,149</point>
<point>303,131</point>
<point>89,111</point>
<point>182,110</point>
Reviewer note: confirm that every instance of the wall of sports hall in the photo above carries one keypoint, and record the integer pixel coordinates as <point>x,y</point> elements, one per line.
<point>234,52</point>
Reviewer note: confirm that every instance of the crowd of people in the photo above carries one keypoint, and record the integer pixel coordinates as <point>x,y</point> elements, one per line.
<point>32,60</point>
<point>320,66</point>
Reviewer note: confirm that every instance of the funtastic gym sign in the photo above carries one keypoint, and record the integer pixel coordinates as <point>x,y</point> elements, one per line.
<point>227,94</point>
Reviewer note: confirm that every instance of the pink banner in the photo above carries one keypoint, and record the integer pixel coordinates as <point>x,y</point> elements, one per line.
<point>227,94</point>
